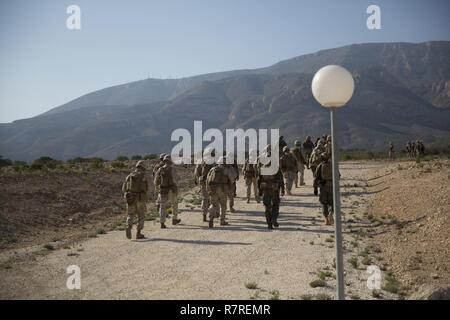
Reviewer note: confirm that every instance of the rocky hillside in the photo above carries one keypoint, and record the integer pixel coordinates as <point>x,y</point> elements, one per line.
<point>402,93</point>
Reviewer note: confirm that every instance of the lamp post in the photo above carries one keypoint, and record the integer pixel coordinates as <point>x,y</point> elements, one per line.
<point>333,86</point>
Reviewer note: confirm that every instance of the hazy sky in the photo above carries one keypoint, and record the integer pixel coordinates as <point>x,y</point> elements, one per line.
<point>43,64</point>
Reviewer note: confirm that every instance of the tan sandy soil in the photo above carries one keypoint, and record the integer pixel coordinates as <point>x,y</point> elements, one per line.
<point>190,261</point>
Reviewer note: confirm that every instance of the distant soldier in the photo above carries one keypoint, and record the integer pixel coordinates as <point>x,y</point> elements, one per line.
<point>328,147</point>
<point>281,145</point>
<point>165,180</point>
<point>413,149</point>
<point>408,149</point>
<point>289,168</point>
<point>218,184</point>
<point>323,179</point>
<point>297,152</point>
<point>315,158</point>
<point>234,170</point>
<point>391,151</point>
<point>269,189</point>
<point>158,165</point>
<point>135,190</point>
<point>308,147</point>
<point>201,172</point>
<point>250,172</point>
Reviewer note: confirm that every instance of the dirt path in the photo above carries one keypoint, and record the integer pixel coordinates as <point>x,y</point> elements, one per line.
<point>190,261</point>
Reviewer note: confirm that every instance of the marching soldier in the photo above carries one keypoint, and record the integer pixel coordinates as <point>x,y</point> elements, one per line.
<point>391,151</point>
<point>308,147</point>
<point>234,170</point>
<point>218,185</point>
<point>135,190</point>
<point>165,180</point>
<point>289,168</point>
<point>323,180</point>
<point>269,189</point>
<point>201,172</point>
<point>250,172</point>
<point>297,152</point>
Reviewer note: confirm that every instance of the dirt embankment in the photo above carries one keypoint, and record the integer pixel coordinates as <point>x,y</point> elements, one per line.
<point>414,212</point>
<point>62,205</point>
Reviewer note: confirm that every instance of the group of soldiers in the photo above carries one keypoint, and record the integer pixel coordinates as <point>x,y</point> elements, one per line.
<point>414,149</point>
<point>217,179</point>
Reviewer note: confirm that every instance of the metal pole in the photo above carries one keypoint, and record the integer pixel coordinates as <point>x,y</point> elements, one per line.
<point>337,211</point>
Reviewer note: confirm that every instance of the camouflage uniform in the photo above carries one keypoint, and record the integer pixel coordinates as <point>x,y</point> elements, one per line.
<point>219,190</point>
<point>136,199</point>
<point>233,169</point>
<point>391,151</point>
<point>315,159</point>
<point>250,172</point>
<point>165,180</point>
<point>324,180</point>
<point>201,172</point>
<point>289,168</point>
<point>297,152</point>
<point>308,147</point>
<point>269,186</point>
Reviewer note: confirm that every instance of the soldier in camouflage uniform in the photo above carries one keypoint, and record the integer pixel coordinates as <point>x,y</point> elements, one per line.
<point>391,151</point>
<point>234,169</point>
<point>158,165</point>
<point>218,185</point>
<point>297,152</point>
<point>165,180</point>
<point>323,179</point>
<point>289,168</point>
<point>135,190</point>
<point>250,172</point>
<point>308,147</point>
<point>201,172</point>
<point>269,189</point>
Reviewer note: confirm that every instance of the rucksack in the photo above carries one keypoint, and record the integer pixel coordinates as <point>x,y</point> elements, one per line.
<point>165,177</point>
<point>136,182</point>
<point>289,162</point>
<point>327,171</point>
<point>217,176</point>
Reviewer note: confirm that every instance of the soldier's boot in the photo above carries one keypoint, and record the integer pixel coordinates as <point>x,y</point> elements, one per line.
<point>275,224</point>
<point>232,210</point>
<point>211,223</point>
<point>139,235</point>
<point>204,218</point>
<point>223,222</point>
<point>330,219</point>
<point>176,221</point>
<point>128,232</point>
<point>163,226</point>
<point>327,222</point>
<point>270,226</point>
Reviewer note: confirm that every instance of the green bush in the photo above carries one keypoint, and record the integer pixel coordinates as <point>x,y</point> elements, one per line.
<point>97,163</point>
<point>118,165</point>
<point>150,156</point>
<point>5,162</point>
<point>46,162</point>
<point>136,157</point>
<point>121,158</point>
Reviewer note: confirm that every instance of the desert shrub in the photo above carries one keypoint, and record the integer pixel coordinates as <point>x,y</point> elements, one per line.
<point>97,163</point>
<point>121,158</point>
<point>78,160</point>
<point>46,162</point>
<point>150,156</point>
<point>5,162</point>
<point>118,165</point>
<point>136,157</point>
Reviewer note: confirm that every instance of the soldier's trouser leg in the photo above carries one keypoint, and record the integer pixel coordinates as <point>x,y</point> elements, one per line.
<point>267,201</point>
<point>231,197</point>
<point>326,199</point>
<point>234,188</point>
<point>214,209</point>
<point>205,199</point>
<point>223,205</point>
<point>289,178</point>
<point>141,211</point>
<point>248,183</point>
<point>301,173</point>
<point>173,198</point>
<point>275,207</point>
<point>163,199</point>
<point>132,211</point>
<point>255,189</point>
